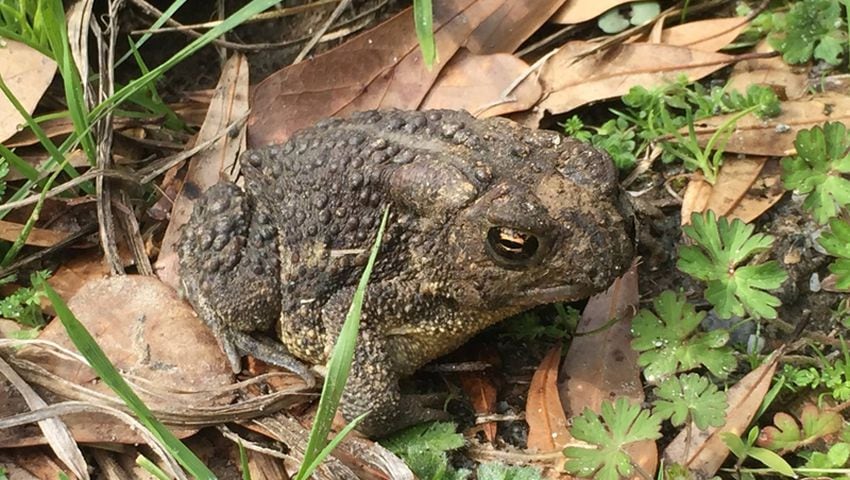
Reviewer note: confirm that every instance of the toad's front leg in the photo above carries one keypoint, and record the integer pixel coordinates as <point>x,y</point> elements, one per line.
<point>372,385</point>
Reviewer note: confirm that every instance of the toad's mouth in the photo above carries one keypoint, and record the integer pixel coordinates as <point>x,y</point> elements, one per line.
<point>561,293</point>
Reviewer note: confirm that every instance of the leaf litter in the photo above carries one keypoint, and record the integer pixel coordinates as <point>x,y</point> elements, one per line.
<point>477,70</point>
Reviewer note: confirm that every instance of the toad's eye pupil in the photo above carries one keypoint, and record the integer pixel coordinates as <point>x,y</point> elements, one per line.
<point>511,245</point>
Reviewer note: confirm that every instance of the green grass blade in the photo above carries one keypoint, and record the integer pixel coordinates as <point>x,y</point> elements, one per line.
<point>339,365</point>
<point>151,468</point>
<point>423,18</point>
<point>160,21</point>
<point>339,437</point>
<point>238,17</point>
<point>110,376</point>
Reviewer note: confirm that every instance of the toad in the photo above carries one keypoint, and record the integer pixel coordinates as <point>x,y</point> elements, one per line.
<point>487,219</point>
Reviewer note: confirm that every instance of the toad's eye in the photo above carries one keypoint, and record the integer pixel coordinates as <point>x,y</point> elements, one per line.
<point>510,247</point>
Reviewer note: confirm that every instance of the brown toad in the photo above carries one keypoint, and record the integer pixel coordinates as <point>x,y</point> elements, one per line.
<point>487,219</point>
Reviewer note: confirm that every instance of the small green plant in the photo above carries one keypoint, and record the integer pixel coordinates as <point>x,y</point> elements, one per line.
<point>690,398</point>
<point>24,306</point>
<point>620,18</point>
<point>787,435</point>
<point>837,243</point>
<point>718,257</point>
<point>668,340</point>
<point>818,169</point>
<point>812,28</point>
<point>835,457</point>
<point>832,375</point>
<point>620,424</point>
<point>657,114</point>
<point>531,326</point>
<point>423,448</point>
<point>744,450</point>
<point>499,471</point>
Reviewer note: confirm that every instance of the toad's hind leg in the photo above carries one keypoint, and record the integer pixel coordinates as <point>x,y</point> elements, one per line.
<point>230,271</point>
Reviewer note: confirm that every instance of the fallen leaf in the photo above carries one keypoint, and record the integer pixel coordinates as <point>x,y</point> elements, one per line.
<point>734,180</point>
<point>38,237</point>
<point>77,271</point>
<point>510,25</point>
<point>547,422</point>
<point>774,137</point>
<point>144,328</point>
<point>706,35</point>
<point>29,464</point>
<point>702,452</point>
<point>56,127</point>
<point>476,83</point>
<point>381,68</point>
<point>763,194</point>
<point>569,83</point>
<point>229,104</point>
<point>577,11</point>
<point>790,82</point>
<point>27,73</point>
<point>601,365</point>
<point>479,388</point>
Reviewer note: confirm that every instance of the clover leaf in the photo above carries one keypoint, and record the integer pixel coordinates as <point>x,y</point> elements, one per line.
<point>721,249</point>
<point>620,424</point>
<point>818,169</point>
<point>669,343</point>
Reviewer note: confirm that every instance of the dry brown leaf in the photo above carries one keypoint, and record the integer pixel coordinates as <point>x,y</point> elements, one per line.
<point>774,137</point>
<point>577,11</point>
<point>476,83</point>
<point>77,271</point>
<point>381,68</point>
<point>734,180</point>
<point>39,237</point>
<point>568,83</point>
<point>702,452</point>
<point>790,82</point>
<point>706,35</point>
<point>29,464</point>
<point>547,422</point>
<point>27,72</point>
<point>601,364</point>
<point>479,388</point>
<point>55,127</point>
<point>506,28</point>
<point>763,194</point>
<point>229,104</point>
<point>144,328</point>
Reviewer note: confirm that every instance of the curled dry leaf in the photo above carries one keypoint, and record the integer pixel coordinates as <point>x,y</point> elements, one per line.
<point>381,68</point>
<point>702,452</point>
<point>146,330</point>
<point>734,180</point>
<point>774,137</point>
<point>476,83</point>
<point>27,73</point>
<point>601,365</point>
<point>479,388</point>
<point>577,11</point>
<point>39,237</point>
<point>570,81</point>
<point>547,422</point>
<point>229,104</point>
<point>706,35</point>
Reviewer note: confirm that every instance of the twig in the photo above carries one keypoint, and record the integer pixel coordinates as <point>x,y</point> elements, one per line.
<point>318,35</point>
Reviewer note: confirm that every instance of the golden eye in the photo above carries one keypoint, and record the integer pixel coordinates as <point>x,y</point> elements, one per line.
<point>511,247</point>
